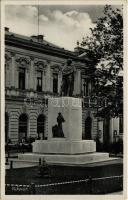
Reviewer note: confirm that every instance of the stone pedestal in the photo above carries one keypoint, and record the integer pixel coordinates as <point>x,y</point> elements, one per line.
<point>71,110</point>
<point>72,143</point>
<point>64,147</point>
<point>70,149</point>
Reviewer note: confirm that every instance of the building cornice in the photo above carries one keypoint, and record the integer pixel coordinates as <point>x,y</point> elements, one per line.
<point>14,41</point>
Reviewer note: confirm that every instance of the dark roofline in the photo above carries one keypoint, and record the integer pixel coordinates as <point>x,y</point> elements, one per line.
<point>12,40</point>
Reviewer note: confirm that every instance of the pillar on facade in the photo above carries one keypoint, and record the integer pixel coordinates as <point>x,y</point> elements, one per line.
<point>13,71</point>
<point>59,81</point>
<point>44,80</point>
<point>13,126</point>
<point>34,80</point>
<point>8,60</point>
<point>32,76</point>
<point>114,128</point>
<point>48,78</point>
<point>77,82</point>
<point>89,87</point>
<point>51,83</point>
<point>75,85</point>
<point>7,78</point>
<point>26,79</point>
<point>100,130</point>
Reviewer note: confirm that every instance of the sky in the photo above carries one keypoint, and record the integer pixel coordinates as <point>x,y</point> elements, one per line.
<point>62,25</point>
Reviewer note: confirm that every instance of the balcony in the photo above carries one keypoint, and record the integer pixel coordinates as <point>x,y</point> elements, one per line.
<point>15,92</point>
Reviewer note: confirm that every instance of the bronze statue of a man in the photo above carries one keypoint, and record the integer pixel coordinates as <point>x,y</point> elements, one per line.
<point>60,120</point>
<point>57,130</point>
<point>67,85</point>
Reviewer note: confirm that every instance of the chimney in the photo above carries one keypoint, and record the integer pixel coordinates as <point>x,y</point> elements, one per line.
<point>40,38</point>
<point>34,37</point>
<point>6,29</point>
<point>37,38</point>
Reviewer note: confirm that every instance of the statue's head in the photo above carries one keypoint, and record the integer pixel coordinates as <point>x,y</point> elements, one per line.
<point>69,62</point>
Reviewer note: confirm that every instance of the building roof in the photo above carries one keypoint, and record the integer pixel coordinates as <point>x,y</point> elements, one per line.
<point>33,38</point>
<point>36,43</point>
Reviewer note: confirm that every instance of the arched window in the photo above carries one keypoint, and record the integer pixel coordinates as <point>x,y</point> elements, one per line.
<point>23,127</point>
<point>6,126</point>
<point>88,128</point>
<point>40,126</point>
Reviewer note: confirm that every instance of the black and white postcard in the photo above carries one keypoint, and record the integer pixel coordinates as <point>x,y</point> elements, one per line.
<point>63,99</point>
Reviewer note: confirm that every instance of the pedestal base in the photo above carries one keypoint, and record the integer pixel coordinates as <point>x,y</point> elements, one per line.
<point>57,159</point>
<point>61,146</point>
<point>71,150</point>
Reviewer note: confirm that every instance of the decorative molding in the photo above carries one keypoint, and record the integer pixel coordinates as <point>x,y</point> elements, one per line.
<point>63,64</point>
<point>8,56</point>
<point>40,65</point>
<point>56,68</point>
<point>88,113</point>
<point>48,62</point>
<point>32,58</point>
<point>23,61</point>
<point>60,74</point>
<point>12,54</point>
<point>24,108</point>
<point>79,65</point>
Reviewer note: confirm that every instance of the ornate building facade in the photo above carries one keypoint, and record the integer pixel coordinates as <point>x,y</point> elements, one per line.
<point>33,73</point>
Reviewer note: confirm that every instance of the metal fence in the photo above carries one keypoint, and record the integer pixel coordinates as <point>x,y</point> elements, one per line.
<point>101,185</point>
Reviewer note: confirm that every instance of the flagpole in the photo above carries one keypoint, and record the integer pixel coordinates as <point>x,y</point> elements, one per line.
<point>38,19</point>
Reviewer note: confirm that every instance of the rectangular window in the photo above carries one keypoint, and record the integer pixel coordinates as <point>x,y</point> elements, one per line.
<point>55,83</point>
<point>87,88</point>
<point>21,78</point>
<point>39,81</point>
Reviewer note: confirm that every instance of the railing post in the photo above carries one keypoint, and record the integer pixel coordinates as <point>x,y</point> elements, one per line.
<point>39,161</point>
<point>32,188</point>
<point>11,164</point>
<point>6,161</point>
